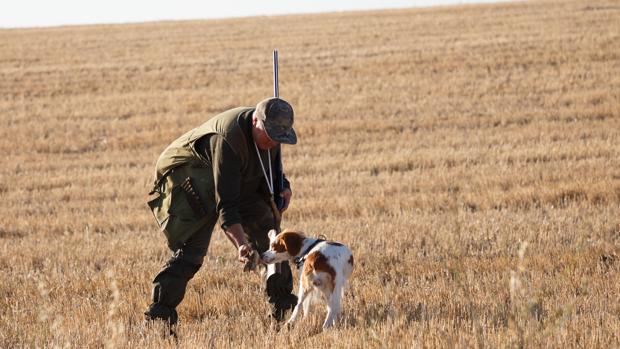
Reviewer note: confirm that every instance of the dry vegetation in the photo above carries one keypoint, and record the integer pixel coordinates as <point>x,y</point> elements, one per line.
<point>469,156</point>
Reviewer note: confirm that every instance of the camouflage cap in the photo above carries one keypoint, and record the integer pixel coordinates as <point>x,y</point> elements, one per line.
<point>277,115</point>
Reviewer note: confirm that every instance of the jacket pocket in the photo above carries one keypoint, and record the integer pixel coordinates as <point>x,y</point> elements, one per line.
<point>176,217</point>
<point>170,201</point>
<point>179,204</point>
<point>159,207</point>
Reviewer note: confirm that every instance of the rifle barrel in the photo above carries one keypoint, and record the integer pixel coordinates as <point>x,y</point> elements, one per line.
<point>276,93</point>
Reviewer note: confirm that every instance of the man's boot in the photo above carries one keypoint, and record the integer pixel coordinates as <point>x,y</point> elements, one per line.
<point>279,290</point>
<point>169,289</point>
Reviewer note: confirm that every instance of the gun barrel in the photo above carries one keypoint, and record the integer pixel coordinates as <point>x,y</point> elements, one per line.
<point>276,93</point>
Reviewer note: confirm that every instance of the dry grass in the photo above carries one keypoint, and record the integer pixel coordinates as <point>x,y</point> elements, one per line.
<point>469,156</point>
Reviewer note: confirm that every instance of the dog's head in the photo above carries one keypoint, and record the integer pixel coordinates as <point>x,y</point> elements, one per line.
<point>283,246</point>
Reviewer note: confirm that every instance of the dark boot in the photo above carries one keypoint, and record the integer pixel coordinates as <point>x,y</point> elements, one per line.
<point>169,289</point>
<point>279,290</point>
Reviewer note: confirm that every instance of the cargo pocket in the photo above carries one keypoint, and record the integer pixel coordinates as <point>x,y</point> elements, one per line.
<point>178,217</point>
<point>172,213</point>
<point>182,221</point>
<point>159,207</point>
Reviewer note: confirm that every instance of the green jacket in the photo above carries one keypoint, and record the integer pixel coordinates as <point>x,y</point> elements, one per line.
<point>220,159</point>
<point>182,151</point>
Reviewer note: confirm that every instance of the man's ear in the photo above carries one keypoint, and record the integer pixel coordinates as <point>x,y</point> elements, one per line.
<point>272,234</point>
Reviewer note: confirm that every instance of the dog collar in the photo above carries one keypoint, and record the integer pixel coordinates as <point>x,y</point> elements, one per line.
<point>299,261</point>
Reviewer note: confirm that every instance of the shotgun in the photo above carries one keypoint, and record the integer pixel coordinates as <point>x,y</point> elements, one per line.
<point>278,170</point>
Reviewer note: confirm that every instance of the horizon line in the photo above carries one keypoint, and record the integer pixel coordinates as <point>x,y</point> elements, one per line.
<point>104,22</point>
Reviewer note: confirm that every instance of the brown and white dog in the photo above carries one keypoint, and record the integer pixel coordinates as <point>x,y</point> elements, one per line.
<point>327,266</point>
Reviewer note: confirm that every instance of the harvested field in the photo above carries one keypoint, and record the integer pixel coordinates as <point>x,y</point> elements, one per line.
<point>469,156</point>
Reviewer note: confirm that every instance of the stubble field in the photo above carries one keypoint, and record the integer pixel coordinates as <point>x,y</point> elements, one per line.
<point>469,156</point>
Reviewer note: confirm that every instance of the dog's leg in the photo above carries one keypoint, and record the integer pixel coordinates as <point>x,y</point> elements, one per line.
<point>301,297</point>
<point>306,304</point>
<point>333,306</point>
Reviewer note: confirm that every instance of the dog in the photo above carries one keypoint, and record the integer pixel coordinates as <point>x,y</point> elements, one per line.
<point>327,266</point>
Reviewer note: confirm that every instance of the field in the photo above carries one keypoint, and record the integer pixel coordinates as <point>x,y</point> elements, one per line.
<point>469,156</point>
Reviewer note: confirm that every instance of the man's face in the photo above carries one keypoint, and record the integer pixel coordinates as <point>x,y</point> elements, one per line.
<point>260,135</point>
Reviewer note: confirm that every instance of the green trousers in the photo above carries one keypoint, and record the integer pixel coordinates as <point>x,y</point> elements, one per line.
<point>189,249</point>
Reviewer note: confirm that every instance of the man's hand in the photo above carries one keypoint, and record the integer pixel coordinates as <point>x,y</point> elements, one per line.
<point>249,256</point>
<point>286,196</point>
<point>236,235</point>
<point>245,251</point>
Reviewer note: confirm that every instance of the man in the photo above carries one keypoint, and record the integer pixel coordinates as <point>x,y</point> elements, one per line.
<point>222,170</point>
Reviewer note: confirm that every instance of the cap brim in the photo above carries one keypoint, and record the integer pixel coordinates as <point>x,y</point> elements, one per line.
<point>287,137</point>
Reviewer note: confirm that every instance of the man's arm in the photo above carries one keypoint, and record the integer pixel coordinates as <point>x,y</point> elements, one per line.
<point>282,186</point>
<point>236,234</point>
<point>227,178</point>
<point>286,198</point>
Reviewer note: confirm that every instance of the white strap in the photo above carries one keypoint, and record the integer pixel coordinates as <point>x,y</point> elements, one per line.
<point>270,179</point>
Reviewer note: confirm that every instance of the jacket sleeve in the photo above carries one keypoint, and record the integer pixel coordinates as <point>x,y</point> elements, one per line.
<point>227,178</point>
<point>280,166</point>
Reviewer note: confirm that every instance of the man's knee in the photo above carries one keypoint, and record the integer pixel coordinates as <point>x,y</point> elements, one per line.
<point>192,255</point>
<point>170,284</point>
<point>185,262</point>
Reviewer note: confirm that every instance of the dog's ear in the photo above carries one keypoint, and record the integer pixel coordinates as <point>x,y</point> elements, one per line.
<point>272,234</point>
<point>293,242</point>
